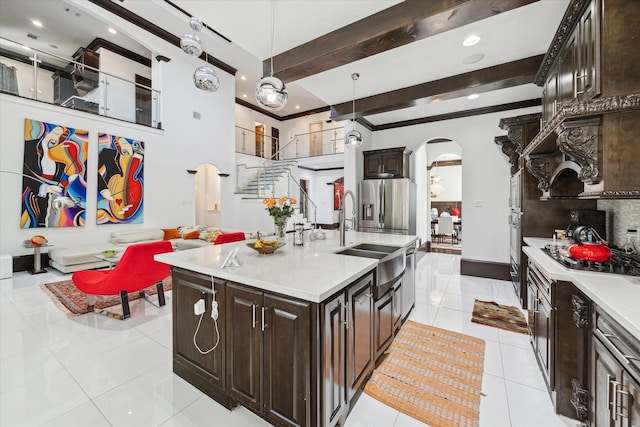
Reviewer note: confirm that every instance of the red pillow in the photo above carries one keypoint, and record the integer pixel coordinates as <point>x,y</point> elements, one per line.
<point>191,235</point>
<point>171,233</point>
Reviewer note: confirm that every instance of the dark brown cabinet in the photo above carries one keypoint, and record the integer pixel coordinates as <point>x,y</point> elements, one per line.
<point>268,349</point>
<point>348,356</point>
<point>615,375</point>
<point>360,358</point>
<point>386,163</point>
<point>334,330</point>
<point>204,371</point>
<point>387,317</point>
<point>541,320</point>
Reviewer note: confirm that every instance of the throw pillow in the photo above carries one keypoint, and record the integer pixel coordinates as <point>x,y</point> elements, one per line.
<point>171,233</point>
<point>191,235</point>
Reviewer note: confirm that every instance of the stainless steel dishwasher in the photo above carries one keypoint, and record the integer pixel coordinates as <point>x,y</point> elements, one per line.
<point>409,281</point>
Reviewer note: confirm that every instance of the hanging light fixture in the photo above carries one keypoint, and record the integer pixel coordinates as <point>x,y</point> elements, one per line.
<point>271,91</point>
<point>204,77</point>
<point>190,43</point>
<point>353,138</point>
<point>436,186</point>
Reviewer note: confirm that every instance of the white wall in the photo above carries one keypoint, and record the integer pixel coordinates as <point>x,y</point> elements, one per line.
<point>485,177</point>
<point>183,144</point>
<point>24,73</point>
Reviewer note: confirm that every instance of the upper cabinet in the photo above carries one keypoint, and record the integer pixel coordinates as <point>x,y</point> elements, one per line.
<point>590,78</point>
<point>387,163</point>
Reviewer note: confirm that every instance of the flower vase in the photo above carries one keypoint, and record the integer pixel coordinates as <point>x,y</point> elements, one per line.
<point>280,224</point>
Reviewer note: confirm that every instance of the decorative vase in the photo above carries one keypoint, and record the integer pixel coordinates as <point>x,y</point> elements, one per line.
<point>280,224</point>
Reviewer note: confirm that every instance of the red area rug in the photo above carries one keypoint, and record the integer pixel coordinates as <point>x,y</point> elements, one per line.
<point>72,300</point>
<point>505,317</point>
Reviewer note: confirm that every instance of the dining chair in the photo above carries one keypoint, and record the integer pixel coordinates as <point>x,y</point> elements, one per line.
<point>445,228</point>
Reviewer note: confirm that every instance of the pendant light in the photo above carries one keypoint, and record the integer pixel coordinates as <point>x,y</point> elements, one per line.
<point>190,43</point>
<point>353,138</point>
<point>205,77</point>
<point>271,91</point>
<point>436,183</point>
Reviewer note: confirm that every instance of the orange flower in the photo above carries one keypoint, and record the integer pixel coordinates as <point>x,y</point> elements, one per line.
<point>282,199</point>
<point>293,201</point>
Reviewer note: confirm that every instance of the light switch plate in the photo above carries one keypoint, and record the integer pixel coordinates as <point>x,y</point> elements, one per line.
<point>477,203</point>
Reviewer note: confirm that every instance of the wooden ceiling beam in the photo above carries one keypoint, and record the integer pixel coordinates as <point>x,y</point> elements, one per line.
<point>404,23</point>
<point>501,76</point>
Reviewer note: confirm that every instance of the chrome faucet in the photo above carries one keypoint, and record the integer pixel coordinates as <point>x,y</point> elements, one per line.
<point>341,219</point>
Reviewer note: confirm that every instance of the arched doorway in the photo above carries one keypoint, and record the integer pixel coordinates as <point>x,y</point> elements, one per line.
<point>208,207</point>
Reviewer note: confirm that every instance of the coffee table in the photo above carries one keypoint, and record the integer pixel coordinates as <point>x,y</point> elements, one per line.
<point>112,260</point>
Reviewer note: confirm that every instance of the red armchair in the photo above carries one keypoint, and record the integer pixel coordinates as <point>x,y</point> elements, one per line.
<point>136,271</point>
<point>229,237</point>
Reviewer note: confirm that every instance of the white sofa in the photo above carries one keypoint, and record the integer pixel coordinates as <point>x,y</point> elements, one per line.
<point>70,259</point>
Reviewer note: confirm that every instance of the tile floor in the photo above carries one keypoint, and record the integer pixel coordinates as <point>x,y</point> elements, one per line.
<point>97,371</point>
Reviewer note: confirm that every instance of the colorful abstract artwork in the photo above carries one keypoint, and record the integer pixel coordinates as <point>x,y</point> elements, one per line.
<point>338,193</point>
<point>120,180</point>
<point>54,182</point>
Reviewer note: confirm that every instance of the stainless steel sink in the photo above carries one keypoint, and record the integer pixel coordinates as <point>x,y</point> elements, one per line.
<point>376,248</point>
<point>391,263</point>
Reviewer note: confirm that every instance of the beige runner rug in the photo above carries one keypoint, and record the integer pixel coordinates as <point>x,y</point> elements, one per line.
<point>431,374</point>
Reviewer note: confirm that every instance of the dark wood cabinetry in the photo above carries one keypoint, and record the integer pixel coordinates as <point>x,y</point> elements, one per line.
<point>387,317</point>
<point>360,358</point>
<point>268,349</point>
<point>204,371</point>
<point>85,69</point>
<point>615,375</point>
<point>541,321</point>
<point>334,330</point>
<point>590,78</point>
<point>386,163</point>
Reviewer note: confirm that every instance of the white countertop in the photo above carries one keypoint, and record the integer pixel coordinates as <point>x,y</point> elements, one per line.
<point>616,294</point>
<point>312,272</point>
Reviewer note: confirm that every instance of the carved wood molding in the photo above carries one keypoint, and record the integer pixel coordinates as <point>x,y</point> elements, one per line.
<point>620,194</point>
<point>508,149</point>
<point>541,168</point>
<point>568,23</point>
<point>506,122</point>
<point>580,399</point>
<point>580,311</point>
<point>515,135</point>
<point>578,109</point>
<point>580,143</point>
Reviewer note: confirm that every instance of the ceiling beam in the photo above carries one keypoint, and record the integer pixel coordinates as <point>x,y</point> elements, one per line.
<point>404,23</point>
<point>501,76</point>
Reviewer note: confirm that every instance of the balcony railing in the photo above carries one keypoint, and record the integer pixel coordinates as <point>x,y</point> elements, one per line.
<point>321,143</point>
<point>34,74</point>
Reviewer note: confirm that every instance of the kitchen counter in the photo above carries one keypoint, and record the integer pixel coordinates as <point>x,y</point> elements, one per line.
<point>312,272</point>
<point>616,294</point>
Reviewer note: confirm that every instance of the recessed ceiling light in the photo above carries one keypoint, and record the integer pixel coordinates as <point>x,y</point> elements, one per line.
<point>473,96</point>
<point>244,95</point>
<point>243,77</point>
<point>26,47</point>
<point>297,107</point>
<point>36,23</point>
<point>476,57</point>
<point>113,31</point>
<point>471,40</point>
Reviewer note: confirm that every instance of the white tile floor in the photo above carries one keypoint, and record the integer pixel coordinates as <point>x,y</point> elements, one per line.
<point>97,371</point>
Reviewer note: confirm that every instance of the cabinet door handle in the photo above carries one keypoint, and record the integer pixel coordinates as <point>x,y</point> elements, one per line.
<point>620,405</point>
<point>263,324</point>
<point>253,308</point>
<point>613,404</point>
<point>346,316</point>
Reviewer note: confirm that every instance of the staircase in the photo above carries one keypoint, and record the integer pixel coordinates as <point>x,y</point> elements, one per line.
<point>266,180</point>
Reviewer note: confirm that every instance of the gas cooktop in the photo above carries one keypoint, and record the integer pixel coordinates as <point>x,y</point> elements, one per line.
<point>620,262</point>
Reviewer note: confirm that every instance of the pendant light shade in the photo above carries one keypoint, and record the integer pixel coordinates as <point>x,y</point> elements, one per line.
<point>353,138</point>
<point>205,78</point>
<point>190,43</point>
<point>271,91</point>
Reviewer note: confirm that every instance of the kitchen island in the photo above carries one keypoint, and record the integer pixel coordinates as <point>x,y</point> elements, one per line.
<point>292,336</point>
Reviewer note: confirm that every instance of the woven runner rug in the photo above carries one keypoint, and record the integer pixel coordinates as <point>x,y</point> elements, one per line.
<point>431,374</point>
<point>505,317</point>
<point>73,301</point>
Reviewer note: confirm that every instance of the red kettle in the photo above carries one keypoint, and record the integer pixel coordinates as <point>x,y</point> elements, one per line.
<point>591,247</point>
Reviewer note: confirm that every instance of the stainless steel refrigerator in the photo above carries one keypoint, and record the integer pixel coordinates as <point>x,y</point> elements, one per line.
<point>388,206</point>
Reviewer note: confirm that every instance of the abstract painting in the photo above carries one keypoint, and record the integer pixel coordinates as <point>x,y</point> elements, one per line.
<point>338,193</point>
<point>54,182</point>
<point>120,180</point>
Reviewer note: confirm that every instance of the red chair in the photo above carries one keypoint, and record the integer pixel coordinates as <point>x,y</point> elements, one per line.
<point>136,271</point>
<point>229,237</point>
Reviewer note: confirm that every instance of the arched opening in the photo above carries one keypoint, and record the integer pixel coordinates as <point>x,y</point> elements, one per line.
<point>207,192</point>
